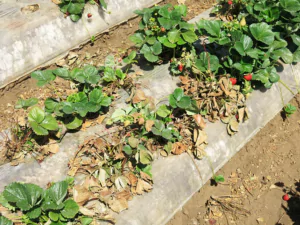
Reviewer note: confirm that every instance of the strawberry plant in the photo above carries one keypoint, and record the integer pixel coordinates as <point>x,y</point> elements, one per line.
<point>254,49</point>
<point>218,178</point>
<point>40,122</point>
<point>110,72</point>
<point>179,100</point>
<point>282,15</point>
<point>289,110</point>
<point>163,31</point>
<point>74,8</point>
<point>167,132</point>
<point>40,206</point>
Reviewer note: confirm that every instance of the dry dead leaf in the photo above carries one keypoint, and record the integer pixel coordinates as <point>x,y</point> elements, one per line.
<point>21,121</point>
<point>30,8</point>
<point>199,121</point>
<point>139,96</point>
<point>86,124</point>
<point>53,148</point>
<point>86,212</point>
<point>57,2</point>
<point>124,194</point>
<point>142,186</point>
<point>100,119</point>
<point>118,205</point>
<point>81,195</point>
<point>149,125</point>
<point>132,179</point>
<point>178,148</point>
<point>145,176</point>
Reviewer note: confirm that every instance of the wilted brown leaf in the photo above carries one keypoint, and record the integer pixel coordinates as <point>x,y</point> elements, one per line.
<point>100,119</point>
<point>138,96</point>
<point>178,148</point>
<point>143,186</point>
<point>56,1</point>
<point>149,125</point>
<point>132,179</point>
<point>199,121</point>
<point>118,205</point>
<point>53,148</point>
<point>86,212</point>
<point>30,8</point>
<point>145,177</point>
<point>86,124</point>
<point>124,194</point>
<point>81,195</point>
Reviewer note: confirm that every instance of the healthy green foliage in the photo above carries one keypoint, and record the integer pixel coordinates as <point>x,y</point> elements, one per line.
<point>178,99</point>
<point>167,132</point>
<point>26,103</point>
<point>38,205</point>
<point>40,122</point>
<point>289,110</point>
<point>110,72</point>
<point>244,50</point>
<point>219,178</point>
<point>162,29</point>
<point>5,221</point>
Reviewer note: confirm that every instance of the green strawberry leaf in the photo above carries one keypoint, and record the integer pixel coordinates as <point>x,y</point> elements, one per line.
<point>5,221</point>
<point>58,191</point>
<point>189,36</point>
<point>26,103</point>
<point>49,123</point>
<point>36,114</point>
<point>63,73</point>
<point>43,77</point>
<point>262,32</point>
<point>25,196</point>
<point>70,210</point>
<point>76,122</point>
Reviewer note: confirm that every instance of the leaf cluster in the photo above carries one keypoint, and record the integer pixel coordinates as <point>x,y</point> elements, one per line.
<point>38,205</point>
<point>162,29</point>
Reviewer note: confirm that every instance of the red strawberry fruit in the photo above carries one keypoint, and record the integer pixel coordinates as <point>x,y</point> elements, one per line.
<point>248,77</point>
<point>180,67</point>
<point>233,80</point>
<point>89,15</point>
<point>286,197</point>
<point>163,29</point>
<point>229,2</point>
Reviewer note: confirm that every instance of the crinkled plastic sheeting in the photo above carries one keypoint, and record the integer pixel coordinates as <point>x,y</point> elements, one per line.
<point>176,178</point>
<point>30,40</point>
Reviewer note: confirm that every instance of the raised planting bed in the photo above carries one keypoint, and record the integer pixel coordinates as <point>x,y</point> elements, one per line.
<point>142,117</point>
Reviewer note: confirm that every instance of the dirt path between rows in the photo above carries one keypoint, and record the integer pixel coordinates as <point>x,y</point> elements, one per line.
<point>252,192</point>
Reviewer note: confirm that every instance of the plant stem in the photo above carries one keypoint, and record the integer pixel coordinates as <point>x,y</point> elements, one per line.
<point>287,87</point>
<point>281,96</point>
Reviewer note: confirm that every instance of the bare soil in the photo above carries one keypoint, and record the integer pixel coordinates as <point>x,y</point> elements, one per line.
<point>255,181</point>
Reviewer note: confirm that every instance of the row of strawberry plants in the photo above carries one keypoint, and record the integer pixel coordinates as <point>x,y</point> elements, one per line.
<point>247,48</point>
<point>62,113</point>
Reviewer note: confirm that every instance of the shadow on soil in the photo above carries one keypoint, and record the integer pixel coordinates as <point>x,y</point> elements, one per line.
<point>293,207</point>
